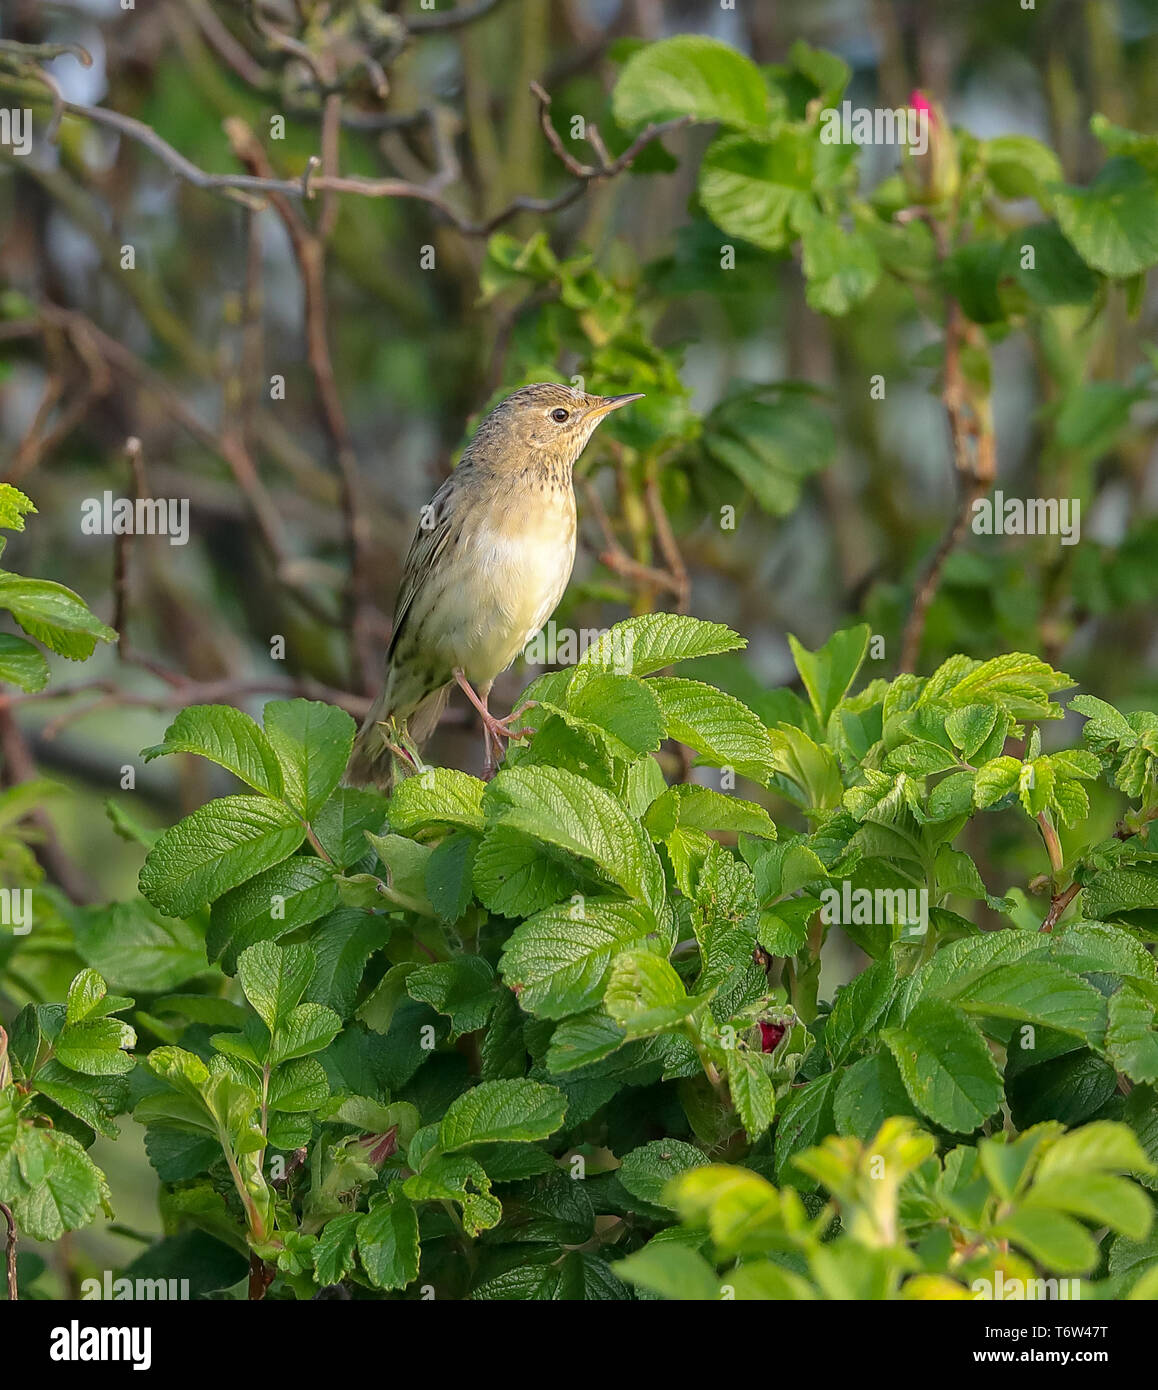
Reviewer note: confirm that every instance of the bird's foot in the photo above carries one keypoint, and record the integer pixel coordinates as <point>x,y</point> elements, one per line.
<point>496,730</point>
<point>501,728</point>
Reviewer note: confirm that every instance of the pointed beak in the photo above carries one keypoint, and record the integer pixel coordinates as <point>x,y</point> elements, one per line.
<point>609,403</point>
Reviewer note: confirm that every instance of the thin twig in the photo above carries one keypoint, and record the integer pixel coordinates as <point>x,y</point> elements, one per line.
<point>668,546</point>
<point>619,561</point>
<point>974,460</point>
<point>10,1253</point>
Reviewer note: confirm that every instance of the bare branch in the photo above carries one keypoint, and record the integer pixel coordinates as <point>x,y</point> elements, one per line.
<point>248,188</point>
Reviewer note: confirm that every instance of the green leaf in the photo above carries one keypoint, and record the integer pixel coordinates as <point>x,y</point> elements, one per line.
<point>646,1171</point>
<point>509,1112</point>
<point>336,1247</point>
<point>542,1277</point>
<point>13,506</point>
<point>995,780</point>
<point>227,737</point>
<point>621,711</point>
<point>654,640</point>
<point>1069,1088</point>
<point>437,798</point>
<point>700,808</point>
<point>21,664</point>
<point>867,1094</point>
<point>1112,892</point>
<point>305,1029</point>
<point>771,445</point>
<point>645,995</point>
<point>763,1281</point>
<point>1034,991</point>
<point>1104,1146</point>
<point>559,960</point>
<point>759,189</point>
<point>1058,274</point>
<point>388,1242</point>
<point>53,615</point>
<point>514,876</point>
<point>1020,166</point>
<point>1050,1237</point>
<point>946,1066</point>
<point>312,742</point>
<point>94,1047</point>
<point>566,810</point>
<point>342,823</point>
<point>448,876</point>
<point>671,1270</point>
<point>138,950</point>
<point>1131,1036</point>
<point>783,930</point>
<point>1018,683</point>
<point>718,727</point>
<point>1098,1198</point>
<point>299,1086</point>
<point>805,1119</point>
<point>840,264</point>
<point>828,673</point>
<point>457,1178</point>
<point>59,1187</point>
<point>274,979</point>
<point>463,989</point>
<point>285,897</point>
<point>85,995</point>
<point>969,726</point>
<point>752,1092</point>
<point>690,75</point>
<point>342,944</point>
<point>214,849</point>
<point>858,1007</point>
<point>93,1099</point>
<point>1113,224</point>
<point>582,1040</point>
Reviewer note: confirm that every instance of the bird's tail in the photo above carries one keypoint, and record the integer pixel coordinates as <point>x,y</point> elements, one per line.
<point>376,749</point>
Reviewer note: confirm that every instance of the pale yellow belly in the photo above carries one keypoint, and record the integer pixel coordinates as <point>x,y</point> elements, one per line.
<point>516,572</point>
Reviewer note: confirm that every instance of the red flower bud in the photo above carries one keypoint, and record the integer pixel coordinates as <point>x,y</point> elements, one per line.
<point>770,1035</point>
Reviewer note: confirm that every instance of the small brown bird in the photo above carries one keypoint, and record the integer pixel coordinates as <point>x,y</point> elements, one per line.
<point>487,567</point>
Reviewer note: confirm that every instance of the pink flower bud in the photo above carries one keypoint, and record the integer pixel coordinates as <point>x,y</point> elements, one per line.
<point>920,102</point>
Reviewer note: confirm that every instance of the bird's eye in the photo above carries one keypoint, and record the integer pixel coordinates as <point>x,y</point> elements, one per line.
<point>560,414</point>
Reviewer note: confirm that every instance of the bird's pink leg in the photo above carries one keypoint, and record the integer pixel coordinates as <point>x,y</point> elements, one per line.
<point>495,730</point>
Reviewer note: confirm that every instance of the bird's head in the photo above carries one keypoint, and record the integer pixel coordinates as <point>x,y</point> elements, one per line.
<point>545,420</point>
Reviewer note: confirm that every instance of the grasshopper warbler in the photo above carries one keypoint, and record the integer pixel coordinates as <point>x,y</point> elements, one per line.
<point>487,567</point>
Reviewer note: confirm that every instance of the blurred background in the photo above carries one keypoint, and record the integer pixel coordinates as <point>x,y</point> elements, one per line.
<point>305,370</point>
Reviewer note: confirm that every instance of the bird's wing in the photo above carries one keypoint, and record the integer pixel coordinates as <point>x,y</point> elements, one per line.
<point>430,540</point>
